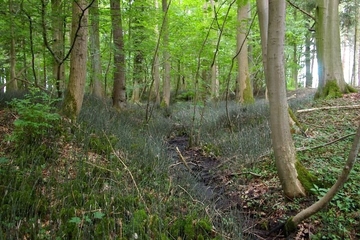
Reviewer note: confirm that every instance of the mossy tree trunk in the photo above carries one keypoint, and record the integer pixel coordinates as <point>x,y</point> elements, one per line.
<point>284,149</point>
<point>328,47</point>
<point>244,91</point>
<point>291,223</point>
<point>79,34</point>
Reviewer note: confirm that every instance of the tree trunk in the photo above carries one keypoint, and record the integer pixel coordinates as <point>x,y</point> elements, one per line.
<point>166,56</point>
<point>328,46</point>
<point>308,74</point>
<point>119,90</point>
<point>263,13</point>
<point>96,72</point>
<point>12,84</point>
<point>138,36</point>
<point>282,142</point>
<point>58,45</point>
<point>79,35</point>
<point>355,68</point>
<point>245,92</point>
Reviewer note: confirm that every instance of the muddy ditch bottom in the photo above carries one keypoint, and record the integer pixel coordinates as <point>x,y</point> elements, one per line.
<point>213,186</point>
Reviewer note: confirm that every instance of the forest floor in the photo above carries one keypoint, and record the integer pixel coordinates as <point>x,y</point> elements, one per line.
<point>106,178</point>
<point>255,189</point>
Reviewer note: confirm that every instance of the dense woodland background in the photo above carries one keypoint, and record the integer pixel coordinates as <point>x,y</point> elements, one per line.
<point>168,120</point>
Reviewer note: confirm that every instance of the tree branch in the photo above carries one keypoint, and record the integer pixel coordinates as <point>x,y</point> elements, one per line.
<point>328,108</point>
<point>301,10</point>
<point>325,144</point>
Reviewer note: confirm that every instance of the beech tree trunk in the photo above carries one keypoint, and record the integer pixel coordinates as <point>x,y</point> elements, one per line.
<point>328,45</point>
<point>308,75</point>
<point>58,45</point>
<point>166,56</point>
<point>284,149</point>
<point>79,35</point>
<point>244,91</point>
<point>138,38</point>
<point>12,84</point>
<point>119,89</point>
<point>96,72</point>
<point>263,15</point>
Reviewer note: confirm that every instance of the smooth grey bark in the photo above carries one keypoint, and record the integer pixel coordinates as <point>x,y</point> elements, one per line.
<point>58,45</point>
<point>244,91</point>
<point>328,44</point>
<point>95,58</point>
<point>119,89</point>
<point>166,56</point>
<point>283,146</point>
<point>12,84</point>
<point>263,15</point>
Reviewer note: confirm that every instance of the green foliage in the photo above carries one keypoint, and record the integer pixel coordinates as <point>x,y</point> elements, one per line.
<point>37,119</point>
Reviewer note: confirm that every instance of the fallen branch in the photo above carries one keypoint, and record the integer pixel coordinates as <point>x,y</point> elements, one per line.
<point>325,144</point>
<point>292,222</point>
<point>328,108</point>
<point>183,160</point>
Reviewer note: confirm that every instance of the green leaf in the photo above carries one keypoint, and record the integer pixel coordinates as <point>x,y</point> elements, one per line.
<point>3,160</point>
<point>76,220</point>
<point>99,215</point>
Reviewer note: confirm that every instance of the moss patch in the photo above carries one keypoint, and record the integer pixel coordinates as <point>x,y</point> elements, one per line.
<point>248,93</point>
<point>331,90</point>
<point>290,226</point>
<point>305,177</point>
<point>350,89</point>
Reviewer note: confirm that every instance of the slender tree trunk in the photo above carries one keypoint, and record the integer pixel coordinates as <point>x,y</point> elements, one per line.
<point>263,13</point>
<point>355,70</point>
<point>12,84</point>
<point>119,90</point>
<point>58,45</point>
<point>166,56</point>
<point>245,91</point>
<point>308,74</point>
<point>96,72</point>
<point>282,142</point>
<point>328,45</point>
<point>215,81</point>
<point>78,58</point>
<point>138,38</point>
<point>157,80</point>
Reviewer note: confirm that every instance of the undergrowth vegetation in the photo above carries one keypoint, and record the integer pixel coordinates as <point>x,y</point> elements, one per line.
<point>113,175</point>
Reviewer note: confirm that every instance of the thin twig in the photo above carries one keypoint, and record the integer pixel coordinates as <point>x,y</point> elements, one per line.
<point>183,160</point>
<point>130,173</point>
<point>97,166</point>
<point>325,144</point>
<point>193,199</point>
